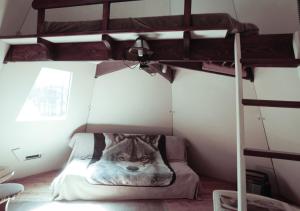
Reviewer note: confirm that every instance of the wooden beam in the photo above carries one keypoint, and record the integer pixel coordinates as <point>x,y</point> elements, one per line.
<point>272,47</point>
<point>271,62</point>
<point>51,4</point>
<point>271,103</point>
<point>106,16</point>
<point>187,44</point>
<point>25,53</point>
<point>203,50</point>
<point>49,48</point>
<point>272,154</point>
<point>110,44</point>
<point>187,12</point>
<point>40,20</point>
<point>195,65</point>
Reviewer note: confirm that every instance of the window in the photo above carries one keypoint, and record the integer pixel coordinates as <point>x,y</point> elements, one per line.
<point>48,98</point>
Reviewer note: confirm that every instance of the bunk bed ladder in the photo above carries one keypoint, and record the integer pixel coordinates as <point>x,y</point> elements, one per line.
<point>241,150</point>
<point>240,131</point>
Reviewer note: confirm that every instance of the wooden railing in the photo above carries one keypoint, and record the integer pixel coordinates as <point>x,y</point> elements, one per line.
<point>272,154</point>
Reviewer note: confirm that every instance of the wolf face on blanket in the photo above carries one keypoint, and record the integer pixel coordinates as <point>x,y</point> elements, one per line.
<point>133,160</point>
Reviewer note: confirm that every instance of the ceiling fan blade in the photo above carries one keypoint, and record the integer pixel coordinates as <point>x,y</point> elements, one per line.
<point>154,67</point>
<point>162,69</point>
<point>167,72</point>
<point>112,66</point>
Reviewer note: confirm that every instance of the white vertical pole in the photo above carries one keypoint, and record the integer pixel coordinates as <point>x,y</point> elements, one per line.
<point>241,169</point>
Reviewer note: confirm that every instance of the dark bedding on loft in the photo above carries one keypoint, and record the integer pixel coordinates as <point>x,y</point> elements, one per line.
<point>199,22</point>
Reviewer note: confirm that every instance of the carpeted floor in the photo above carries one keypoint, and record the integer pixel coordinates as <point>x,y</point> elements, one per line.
<point>37,197</point>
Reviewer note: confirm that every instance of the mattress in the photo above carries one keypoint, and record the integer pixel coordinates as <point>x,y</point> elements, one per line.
<point>198,22</point>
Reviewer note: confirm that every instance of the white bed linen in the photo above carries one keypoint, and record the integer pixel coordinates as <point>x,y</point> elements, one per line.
<point>72,185</point>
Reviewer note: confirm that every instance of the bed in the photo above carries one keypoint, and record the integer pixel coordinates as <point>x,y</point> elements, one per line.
<point>71,183</point>
<point>211,21</point>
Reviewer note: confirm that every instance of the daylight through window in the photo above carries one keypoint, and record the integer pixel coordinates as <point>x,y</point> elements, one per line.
<point>48,98</point>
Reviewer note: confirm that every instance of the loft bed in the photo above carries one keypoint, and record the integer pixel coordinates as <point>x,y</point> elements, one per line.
<point>242,50</point>
<point>177,41</point>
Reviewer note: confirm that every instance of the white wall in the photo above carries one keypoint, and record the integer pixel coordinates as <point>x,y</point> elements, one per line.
<point>94,12</point>
<point>50,138</point>
<point>271,16</point>
<point>131,101</point>
<point>282,125</point>
<point>204,106</point>
<point>204,6</point>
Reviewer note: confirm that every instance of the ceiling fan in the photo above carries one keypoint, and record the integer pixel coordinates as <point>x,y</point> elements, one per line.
<point>142,55</point>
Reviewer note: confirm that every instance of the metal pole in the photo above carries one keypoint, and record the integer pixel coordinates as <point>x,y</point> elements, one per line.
<point>240,144</point>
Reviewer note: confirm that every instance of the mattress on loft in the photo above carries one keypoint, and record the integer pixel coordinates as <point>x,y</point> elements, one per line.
<point>200,22</point>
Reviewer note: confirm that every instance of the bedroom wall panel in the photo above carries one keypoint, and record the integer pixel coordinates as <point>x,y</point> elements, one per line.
<point>131,101</point>
<point>50,138</point>
<point>204,113</point>
<point>282,125</point>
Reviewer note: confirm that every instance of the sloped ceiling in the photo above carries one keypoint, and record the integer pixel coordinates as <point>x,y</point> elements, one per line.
<point>12,15</point>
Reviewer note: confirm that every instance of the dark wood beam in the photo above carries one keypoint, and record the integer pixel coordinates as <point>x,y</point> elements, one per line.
<point>40,20</point>
<point>49,47</point>
<point>92,51</point>
<point>271,103</point>
<point>110,44</point>
<point>26,53</point>
<point>193,65</point>
<point>272,154</point>
<point>51,4</point>
<point>106,16</point>
<point>187,12</point>
<point>273,62</point>
<point>187,44</point>
<point>262,49</point>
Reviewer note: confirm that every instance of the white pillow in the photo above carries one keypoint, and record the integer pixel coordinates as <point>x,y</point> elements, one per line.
<point>82,145</point>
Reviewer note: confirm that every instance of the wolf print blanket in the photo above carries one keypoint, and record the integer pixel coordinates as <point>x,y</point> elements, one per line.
<point>132,160</point>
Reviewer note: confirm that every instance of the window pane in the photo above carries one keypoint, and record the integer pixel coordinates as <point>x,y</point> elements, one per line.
<point>48,99</point>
